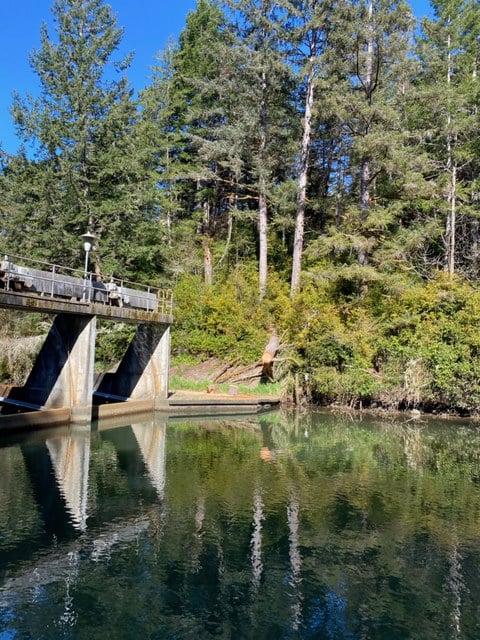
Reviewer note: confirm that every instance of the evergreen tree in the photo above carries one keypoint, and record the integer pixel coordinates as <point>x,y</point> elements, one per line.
<point>198,67</point>
<point>449,93</point>
<point>381,37</point>
<point>264,98</point>
<point>88,168</point>
<point>308,24</point>
<point>368,83</point>
<point>162,128</point>
<point>224,120</point>
<point>185,106</point>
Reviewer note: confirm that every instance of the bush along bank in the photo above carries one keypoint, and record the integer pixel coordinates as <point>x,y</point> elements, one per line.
<point>392,344</point>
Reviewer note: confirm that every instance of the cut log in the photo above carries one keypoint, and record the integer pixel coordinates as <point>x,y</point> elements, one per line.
<point>225,368</point>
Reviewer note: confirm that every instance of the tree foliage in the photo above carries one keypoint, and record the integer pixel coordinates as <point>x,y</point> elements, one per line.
<point>85,168</point>
<point>330,145</point>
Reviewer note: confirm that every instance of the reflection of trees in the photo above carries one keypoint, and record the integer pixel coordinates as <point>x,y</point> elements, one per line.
<point>18,512</point>
<point>378,503</point>
<point>455,585</point>
<point>413,447</point>
<point>256,542</point>
<point>197,543</point>
<point>349,530</point>
<point>293,519</point>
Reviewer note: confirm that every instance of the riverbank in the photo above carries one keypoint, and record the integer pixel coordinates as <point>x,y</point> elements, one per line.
<point>204,379</point>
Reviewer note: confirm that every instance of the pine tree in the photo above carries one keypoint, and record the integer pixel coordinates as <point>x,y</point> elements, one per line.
<point>264,98</point>
<point>449,92</point>
<point>87,161</point>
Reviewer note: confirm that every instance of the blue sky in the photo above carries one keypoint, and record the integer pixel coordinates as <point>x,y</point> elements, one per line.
<point>148,24</point>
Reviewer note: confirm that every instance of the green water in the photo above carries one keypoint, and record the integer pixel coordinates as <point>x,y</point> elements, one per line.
<point>311,526</point>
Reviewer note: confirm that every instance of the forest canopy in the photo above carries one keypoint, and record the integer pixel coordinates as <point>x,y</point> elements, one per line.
<point>312,164</point>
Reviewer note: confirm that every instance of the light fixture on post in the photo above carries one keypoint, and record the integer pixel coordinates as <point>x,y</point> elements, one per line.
<point>88,239</point>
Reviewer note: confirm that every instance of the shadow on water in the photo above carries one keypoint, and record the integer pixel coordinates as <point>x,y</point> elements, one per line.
<point>283,526</point>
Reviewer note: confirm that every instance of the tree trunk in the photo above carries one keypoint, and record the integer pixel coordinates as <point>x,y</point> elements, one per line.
<point>207,246</point>
<point>365,165</point>
<point>302,185</point>
<point>168,222</point>
<point>262,197</point>
<point>450,239</point>
<point>339,190</point>
<point>262,239</point>
<point>229,237</point>
<point>450,230</point>
<point>168,213</point>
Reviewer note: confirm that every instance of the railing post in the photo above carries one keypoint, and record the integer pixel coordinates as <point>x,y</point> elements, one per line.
<point>7,260</point>
<point>53,281</point>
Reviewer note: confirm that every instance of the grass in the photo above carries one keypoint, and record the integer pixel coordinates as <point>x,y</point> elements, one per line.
<point>269,389</point>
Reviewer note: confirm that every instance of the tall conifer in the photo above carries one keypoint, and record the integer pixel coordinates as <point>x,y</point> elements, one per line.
<point>87,164</point>
<point>449,88</point>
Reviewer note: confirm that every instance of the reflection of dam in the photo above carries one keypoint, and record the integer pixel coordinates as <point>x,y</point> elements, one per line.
<point>61,476</point>
<point>51,569</point>
<point>70,458</point>
<point>151,440</point>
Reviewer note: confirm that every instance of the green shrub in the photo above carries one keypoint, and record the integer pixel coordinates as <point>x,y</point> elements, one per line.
<point>225,320</point>
<point>417,348</point>
<point>354,387</point>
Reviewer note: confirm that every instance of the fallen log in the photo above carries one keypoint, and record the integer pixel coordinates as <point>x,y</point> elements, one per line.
<point>225,368</point>
<point>237,371</point>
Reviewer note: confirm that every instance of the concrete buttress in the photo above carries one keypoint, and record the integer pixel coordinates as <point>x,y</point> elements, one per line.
<point>62,375</point>
<point>143,371</point>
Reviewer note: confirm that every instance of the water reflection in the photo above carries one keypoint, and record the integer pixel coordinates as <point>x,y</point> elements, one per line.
<point>151,440</point>
<point>256,543</point>
<point>293,518</point>
<point>305,526</point>
<point>70,458</point>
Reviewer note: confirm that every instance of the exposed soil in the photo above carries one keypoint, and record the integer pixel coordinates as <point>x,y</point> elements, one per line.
<point>206,370</point>
<point>216,372</point>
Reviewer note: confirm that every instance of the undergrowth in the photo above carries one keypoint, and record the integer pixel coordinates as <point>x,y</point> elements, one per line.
<point>396,343</point>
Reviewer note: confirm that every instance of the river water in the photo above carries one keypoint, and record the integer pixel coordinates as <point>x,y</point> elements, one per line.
<point>283,526</point>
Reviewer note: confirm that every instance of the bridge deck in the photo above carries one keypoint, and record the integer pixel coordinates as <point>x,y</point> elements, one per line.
<point>35,303</point>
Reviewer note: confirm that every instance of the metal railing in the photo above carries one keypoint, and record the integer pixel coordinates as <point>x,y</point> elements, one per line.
<point>25,275</point>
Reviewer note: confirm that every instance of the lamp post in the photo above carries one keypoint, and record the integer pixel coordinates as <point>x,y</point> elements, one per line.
<point>88,239</point>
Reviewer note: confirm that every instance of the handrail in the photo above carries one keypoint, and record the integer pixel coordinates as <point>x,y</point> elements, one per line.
<point>59,281</point>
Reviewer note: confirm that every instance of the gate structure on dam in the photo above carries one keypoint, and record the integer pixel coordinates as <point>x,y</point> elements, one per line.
<point>62,380</point>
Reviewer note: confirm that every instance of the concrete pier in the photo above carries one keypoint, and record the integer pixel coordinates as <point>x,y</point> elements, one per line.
<point>62,376</point>
<point>143,372</point>
<point>60,388</point>
<point>61,383</point>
